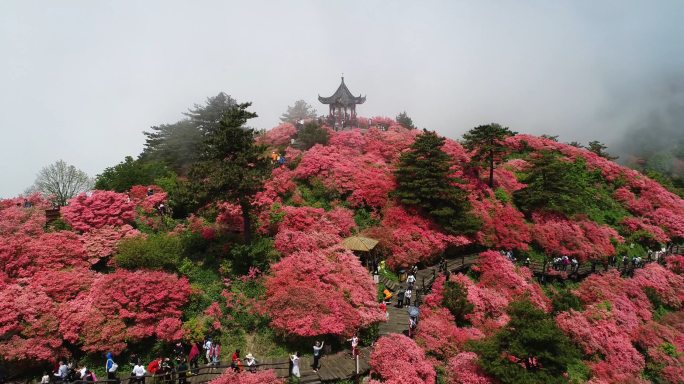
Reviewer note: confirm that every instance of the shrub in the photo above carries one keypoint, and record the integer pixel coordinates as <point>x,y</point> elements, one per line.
<point>155,252</point>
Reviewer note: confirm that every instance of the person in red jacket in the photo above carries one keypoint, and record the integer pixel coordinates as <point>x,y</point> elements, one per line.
<point>154,366</point>
<point>194,357</point>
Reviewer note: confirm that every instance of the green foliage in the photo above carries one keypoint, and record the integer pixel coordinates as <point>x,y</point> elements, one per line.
<point>123,176</point>
<point>59,225</point>
<point>312,134</point>
<point>232,166</point>
<point>424,181</point>
<point>599,149</point>
<point>555,185</point>
<point>179,144</point>
<point>578,372</point>
<point>550,137</point>
<point>564,300</point>
<point>529,335</point>
<point>276,216</point>
<point>502,195</point>
<point>389,274</point>
<point>576,144</point>
<point>405,121</point>
<point>487,143</point>
<point>456,301</point>
<point>157,251</point>
<point>300,111</point>
<point>368,335</point>
<point>260,254</point>
<point>363,219</point>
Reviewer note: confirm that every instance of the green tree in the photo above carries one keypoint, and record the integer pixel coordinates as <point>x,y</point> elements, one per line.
<point>300,111</point>
<point>312,134</point>
<point>553,184</point>
<point>530,349</point>
<point>129,172</point>
<point>232,166</point>
<point>178,144</point>
<point>599,149</point>
<point>575,144</point>
<point>550,137</point>
<point>487,142</point>
<point>425,181</point>
<point>455,299</point>
<point>405,121</point>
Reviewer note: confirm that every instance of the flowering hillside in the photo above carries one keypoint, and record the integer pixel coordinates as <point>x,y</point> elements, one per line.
<point>119,273</point>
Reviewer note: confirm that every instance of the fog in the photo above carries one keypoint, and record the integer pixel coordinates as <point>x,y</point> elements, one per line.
<point>81,80</point>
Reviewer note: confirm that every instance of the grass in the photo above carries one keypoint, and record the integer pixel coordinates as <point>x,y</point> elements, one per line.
<point>390,275</point>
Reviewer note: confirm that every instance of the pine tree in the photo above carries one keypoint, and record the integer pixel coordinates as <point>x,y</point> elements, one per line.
<point>311,134</point>
<point>232,166</point>
<point>487,142</point>
<point>405,121</point>
<point>425,181</point>
<point>530,349</point>
<point>599,149</point>
<point>552,184</point>
<point>300,111</point>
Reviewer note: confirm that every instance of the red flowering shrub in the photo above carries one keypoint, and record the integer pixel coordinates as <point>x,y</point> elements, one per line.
<point>280,135</point>
<point>388,145</point>
<point>438,334</point>
<point>596,332</point>
<point>353,139</point>
<point>29,328</point>
<point>664,350</point>
<point>261,377</point>
<point>666,284</point>
<point>675,263</point>
<point>103,242</point>
<point>62,285</point>
<point>502,227</point>
<point>463,369</point>
<point>414,238</point>
<point>399,360</point>
<point>630,306</point>
<point>582,239</point>
<point>325,291</point>
<point>499,274</point>
<point>647,231</point>
<point>138,193</point>
<point>102,208</point>
<point>231,217</point>
<point>124,307</point>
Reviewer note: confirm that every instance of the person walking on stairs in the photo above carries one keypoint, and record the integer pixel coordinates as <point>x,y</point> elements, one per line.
<point>407,297</point>
<point>317,355</point>
<point>400,297</point>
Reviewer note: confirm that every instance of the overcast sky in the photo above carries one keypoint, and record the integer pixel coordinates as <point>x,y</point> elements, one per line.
<point>81,80</point>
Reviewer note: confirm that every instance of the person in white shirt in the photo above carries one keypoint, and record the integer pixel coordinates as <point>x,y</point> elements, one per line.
<point>207,346</point>
<point>407,297</point>
<point>45,379</point>
<point>411,281</point>
<point>139,372</point>
<point>295,364</point>
<point>354,343</point>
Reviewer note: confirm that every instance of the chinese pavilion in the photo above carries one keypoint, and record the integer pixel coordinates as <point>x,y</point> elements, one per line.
<point>342,107</point>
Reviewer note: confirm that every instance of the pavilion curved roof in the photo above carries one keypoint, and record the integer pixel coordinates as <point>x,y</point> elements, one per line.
<point>342,96</point>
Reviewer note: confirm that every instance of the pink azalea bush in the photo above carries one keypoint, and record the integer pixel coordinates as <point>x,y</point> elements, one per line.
<point>125,306</point>
<point>399,360</point>
<point>320,292</point>
<point>102,208</point>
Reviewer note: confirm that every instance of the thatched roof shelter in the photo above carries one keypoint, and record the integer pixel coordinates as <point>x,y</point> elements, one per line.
<point>359,243</point>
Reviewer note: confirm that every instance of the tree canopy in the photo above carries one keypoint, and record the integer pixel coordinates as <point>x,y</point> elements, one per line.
<point>62,180</point>
<point>598,148</point>
<point>405,121</point>
<point>312,134</point>
<point>300,111</point>
<point>425,180</point>
<point>530,349</point>
<point>126,174</point>
<point>486,142</point>
<point>232,166</point>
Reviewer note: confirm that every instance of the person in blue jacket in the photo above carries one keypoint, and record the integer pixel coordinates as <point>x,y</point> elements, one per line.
<point>111,367</point>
